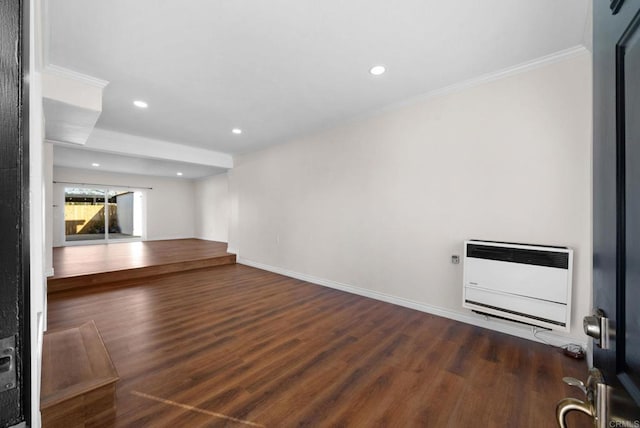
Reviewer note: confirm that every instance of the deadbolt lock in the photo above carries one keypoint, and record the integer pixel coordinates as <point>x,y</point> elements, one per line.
<point>597,327</point>
<point>7,363</point>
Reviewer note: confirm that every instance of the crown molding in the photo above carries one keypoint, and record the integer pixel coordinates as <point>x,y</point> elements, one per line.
<point>74,75</point>
<point>563,55</point>
<point>555,57</point>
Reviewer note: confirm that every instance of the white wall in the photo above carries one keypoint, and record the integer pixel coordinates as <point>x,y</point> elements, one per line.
<point>169,205</point>
<point>212,208</point>
<point>382,203</point>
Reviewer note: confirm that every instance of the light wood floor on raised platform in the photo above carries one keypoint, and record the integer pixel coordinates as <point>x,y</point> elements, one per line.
<point>235,346</point>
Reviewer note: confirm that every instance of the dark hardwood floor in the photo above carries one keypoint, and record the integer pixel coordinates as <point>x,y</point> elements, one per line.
<point>235,346</point>
<point>88,259</point>
<point>94,265</point>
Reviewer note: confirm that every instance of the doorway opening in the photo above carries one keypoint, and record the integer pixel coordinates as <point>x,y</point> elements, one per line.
<point>100,215</point>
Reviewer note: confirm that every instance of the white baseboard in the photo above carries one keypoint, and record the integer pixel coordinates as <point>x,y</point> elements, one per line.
<point>503,326</point>
<point>208,238</point>
<point>167,238</point>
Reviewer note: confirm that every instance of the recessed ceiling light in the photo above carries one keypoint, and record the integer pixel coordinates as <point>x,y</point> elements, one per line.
<point>178,173</point>
<point>140,104</point>
<point>95,164</point>
<point>377,70</point>
<point>237,131</point>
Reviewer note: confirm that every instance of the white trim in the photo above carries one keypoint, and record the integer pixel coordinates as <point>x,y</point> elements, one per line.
<point>49,272</point>
<point>45,36</point>
<point>61,143</point>
<point>502,326</point>
<point>37,211</point>
<point>482,79</point>
<point>555,57</point>
<point>56,70</point>
<point>170,238</point>
<point>232,250</point>
<point>510,71</point>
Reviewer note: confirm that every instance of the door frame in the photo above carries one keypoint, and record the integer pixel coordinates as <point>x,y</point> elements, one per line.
<point>15,249</point>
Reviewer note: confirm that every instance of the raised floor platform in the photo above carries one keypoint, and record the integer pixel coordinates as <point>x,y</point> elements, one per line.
<point>93,265</point>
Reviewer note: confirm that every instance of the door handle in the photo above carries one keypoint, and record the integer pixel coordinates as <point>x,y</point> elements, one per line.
<point>593,391</point>
<point>597,327</point>
<point>572,381</point>
<point>567,405</point>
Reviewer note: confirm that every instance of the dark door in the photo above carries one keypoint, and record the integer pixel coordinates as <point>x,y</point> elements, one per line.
<point>613,388</point>
<point>14,251</point>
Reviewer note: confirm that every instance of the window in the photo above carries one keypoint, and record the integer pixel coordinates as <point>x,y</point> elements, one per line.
<point>95,214</point>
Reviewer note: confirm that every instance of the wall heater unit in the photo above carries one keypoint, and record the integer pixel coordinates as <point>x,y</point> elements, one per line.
<point>526,283</point>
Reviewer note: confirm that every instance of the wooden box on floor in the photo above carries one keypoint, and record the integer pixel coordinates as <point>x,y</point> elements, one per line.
<point>78,378</point>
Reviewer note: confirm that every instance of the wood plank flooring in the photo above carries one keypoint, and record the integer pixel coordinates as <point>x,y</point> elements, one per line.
<point>78,378</point>
<point>235,346</point>
<point>92,265</point>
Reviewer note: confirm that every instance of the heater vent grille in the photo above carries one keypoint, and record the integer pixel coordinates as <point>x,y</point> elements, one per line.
<point>524,283</point>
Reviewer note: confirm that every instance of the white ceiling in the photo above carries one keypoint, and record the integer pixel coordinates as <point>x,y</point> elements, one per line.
<point>73,157</point>
<point>283,68</point>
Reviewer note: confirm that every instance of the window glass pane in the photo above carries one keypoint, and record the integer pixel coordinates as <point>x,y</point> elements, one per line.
<point>84,216</point>
<point>125,214</point>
